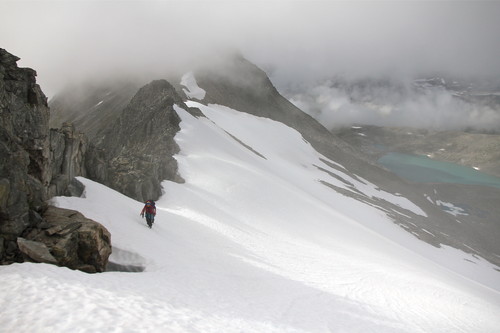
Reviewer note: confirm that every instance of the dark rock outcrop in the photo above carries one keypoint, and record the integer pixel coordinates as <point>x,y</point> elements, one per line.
<point>136,154</point>
<point>67,151</point>
<point>36,251</point>
<point>131,134</point>
<point>24,149</point>
<point>73,240</point>
<point>67,238</point>
<point>37,163</point>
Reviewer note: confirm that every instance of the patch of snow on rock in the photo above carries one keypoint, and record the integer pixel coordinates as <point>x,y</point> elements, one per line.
<point>192,89</point>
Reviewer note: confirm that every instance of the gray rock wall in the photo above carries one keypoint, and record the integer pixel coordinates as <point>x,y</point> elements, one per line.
<point>136,154</point>
<point>68,149</point>
<point>130,133</point>
<point>24,149</point>
<point>35,164</point>
<point>67,238</point>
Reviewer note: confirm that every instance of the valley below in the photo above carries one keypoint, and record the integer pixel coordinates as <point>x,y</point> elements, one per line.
<point>475,150</point>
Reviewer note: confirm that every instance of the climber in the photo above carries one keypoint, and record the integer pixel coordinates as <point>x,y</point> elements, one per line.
<point>150,210</point>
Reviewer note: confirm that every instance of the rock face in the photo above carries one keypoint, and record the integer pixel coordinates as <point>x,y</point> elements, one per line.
<point>136,154</point>
<point>73,240</point>
<point>67,152</point>
<point>24,149</point>
<point>131,134</point>
<point>37,163</point>
<point>36,251</point>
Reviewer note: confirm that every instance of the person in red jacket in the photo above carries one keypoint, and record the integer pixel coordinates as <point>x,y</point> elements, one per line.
<point>150,211</point>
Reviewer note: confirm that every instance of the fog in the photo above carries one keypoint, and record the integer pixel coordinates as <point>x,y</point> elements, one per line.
<point>298,43</point>
<point>340,103</point>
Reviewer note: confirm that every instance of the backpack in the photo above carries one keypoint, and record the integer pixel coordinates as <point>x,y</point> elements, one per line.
<point>150,209</point>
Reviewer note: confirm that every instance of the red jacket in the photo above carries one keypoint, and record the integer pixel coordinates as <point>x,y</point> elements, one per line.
<point>149,208</point>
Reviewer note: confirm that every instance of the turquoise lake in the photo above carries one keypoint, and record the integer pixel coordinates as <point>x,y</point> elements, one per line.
<point>422,169</point>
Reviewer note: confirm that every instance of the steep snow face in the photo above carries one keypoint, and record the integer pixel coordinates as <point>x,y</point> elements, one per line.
<point>254,241</point>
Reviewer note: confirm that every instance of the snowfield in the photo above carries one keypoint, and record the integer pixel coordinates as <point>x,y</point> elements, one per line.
<point>253,241</point>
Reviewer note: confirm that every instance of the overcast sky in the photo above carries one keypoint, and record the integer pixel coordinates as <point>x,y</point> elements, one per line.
<point>294,40</point>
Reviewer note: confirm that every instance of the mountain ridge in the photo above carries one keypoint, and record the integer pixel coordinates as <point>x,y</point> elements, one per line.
<point>239,84</point>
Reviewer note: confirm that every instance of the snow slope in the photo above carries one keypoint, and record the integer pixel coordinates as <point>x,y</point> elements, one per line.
<point>192,89</point>
<point>253,241</point>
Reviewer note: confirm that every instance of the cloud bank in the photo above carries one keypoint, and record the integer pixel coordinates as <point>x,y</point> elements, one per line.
<point>339,103</point>
<point>296,42</point>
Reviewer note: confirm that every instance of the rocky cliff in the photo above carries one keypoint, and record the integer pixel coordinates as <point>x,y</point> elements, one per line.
<point>24,167</point>
<point>68,150</point>
<point>136,153</point>
<point>36,163</point>
<point>130,131</point>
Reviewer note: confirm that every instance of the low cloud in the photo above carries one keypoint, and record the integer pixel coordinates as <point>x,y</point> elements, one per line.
<point>396,103</point>
<point>296,42</point>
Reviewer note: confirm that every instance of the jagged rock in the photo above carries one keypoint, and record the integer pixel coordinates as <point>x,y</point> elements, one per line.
<point>63,230</point>
<point>75,188</point>
<point>24,166</point>
<point>74,240</point>
<point>67,149</point>
<point>136,154</point>
<point>36,251</point>
<point>130,133</point>
<point>37,164</point>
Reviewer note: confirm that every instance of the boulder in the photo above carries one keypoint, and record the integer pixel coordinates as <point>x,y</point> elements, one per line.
<point>73,240</point>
